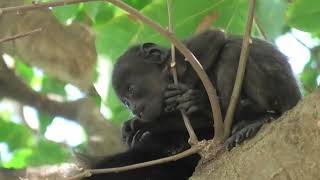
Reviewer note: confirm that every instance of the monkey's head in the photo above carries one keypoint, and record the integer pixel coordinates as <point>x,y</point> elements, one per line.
<point>140,78</point>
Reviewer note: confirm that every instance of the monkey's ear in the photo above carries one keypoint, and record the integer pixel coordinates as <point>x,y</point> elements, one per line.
<point>154,53</point>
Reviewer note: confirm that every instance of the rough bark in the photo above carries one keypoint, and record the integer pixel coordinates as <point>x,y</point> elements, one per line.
<point>286,149</point>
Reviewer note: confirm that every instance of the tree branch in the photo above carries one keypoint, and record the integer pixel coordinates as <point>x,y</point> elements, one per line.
<point>23,8</point>
<point>193,137</point>
<point>15,88</point>
<point>176,157</point>
<point>241,70</point>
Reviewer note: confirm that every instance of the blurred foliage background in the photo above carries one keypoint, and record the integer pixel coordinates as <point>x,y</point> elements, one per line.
<point>115,31</point>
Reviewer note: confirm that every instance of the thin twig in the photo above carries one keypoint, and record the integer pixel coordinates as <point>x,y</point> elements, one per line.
<point>86,173</point>
<point>241,70</point>
<point>299,41</point>
<point>20,35</point>
<point>193,137</point>
<point>24,8</point>
<point>259,29</point>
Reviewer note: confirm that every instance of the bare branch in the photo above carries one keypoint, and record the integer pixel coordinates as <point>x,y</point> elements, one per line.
<point>20,35</point>
<point>241,70</point>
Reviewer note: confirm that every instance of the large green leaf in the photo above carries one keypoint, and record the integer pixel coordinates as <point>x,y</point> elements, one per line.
<point>304,15</point>
<point>270,16</point>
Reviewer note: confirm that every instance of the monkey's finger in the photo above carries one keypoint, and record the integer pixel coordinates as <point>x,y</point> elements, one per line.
<point>136,138</point>
<point>128,140</point>
<point>239,138</point>
<point>187,97</point>
<point>171,107</point>
<point>249,132</point>
<point>172,93</point>
<point>230,143</point>
<point>192,110</point>
<point>179,86</point>
<point>171,100</point>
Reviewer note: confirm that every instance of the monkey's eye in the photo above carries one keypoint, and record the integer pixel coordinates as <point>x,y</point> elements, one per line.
<point>131,90</point>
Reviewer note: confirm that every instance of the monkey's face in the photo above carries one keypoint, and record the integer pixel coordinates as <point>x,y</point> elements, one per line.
<point>142,92</point>
<point>140,81</point>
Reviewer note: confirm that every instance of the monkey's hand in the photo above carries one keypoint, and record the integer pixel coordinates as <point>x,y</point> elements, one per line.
<point>133,133</point>
<point>244,130</point>
<point>183,98</point>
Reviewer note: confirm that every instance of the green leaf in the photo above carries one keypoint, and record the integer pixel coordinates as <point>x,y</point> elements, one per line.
<point>46,152</point>
<point>24,71</point>
<point>138,4</point>
<point>45,121</point>
<point>123,31</point>
<point>270,16</point>
<point>19,158</point>
<point>64,13</point>
<point>15,135</point>
<point>51,85</point>
<point>304,15</point>
<point>309,75</point>
<point>99,12</point>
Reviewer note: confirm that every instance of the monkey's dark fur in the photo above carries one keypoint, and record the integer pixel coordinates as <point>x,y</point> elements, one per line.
<point>142,80</point>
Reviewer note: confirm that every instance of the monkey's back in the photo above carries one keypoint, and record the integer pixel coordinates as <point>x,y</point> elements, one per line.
<point>268,81</point>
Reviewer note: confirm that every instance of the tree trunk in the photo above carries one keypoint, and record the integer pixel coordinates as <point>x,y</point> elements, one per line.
<point>286,149</point>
